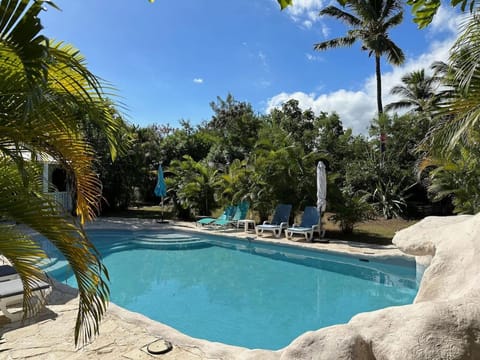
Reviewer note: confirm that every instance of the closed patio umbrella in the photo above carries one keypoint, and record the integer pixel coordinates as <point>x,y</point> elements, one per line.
<point>321,187</point>
<point>321,191</point>
<point>161,187</point>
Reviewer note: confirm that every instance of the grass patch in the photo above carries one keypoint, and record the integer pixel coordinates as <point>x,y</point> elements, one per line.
<point>378,231</point>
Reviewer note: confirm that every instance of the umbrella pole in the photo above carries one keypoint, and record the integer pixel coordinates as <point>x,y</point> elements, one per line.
<point>162,211</point>
<point>161,221</point>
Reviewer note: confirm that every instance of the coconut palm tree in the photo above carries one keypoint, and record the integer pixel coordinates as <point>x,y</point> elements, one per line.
<point>43,87</point>
<point>370,22</point>
<point>418,93</point>
<point>452,145</point>
<point>459,111</point>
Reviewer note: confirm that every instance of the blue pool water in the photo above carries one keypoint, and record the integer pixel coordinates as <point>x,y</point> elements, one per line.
<point>242,293</point>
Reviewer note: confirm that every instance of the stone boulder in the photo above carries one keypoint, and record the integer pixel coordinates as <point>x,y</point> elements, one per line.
<point>442,323</point>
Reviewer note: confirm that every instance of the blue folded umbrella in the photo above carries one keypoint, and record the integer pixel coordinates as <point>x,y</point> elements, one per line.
<point>161,187</point>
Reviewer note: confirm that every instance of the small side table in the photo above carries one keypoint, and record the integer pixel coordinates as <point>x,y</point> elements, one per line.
<point>246,223</point>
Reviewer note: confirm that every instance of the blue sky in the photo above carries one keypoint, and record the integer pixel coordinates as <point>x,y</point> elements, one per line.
<point>170,59</point>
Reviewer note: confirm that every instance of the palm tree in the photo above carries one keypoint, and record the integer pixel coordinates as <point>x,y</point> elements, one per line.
<point>370,21</point>
<point>455,178</point>
<point>418,93</point>
<point>43,86</point>
<point>459,111</point>
<point>193,184</point>
<point>233,185</point>
<point>452,145</point>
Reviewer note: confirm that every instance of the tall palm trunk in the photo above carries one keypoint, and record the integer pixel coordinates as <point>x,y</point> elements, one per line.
<point>378,74</point>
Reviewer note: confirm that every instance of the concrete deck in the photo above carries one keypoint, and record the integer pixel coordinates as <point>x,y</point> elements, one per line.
<point>125,334</point>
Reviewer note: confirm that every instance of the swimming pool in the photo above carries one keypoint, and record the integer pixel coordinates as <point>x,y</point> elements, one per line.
<point>243,293</point>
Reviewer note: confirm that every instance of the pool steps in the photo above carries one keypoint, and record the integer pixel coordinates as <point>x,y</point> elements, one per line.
<point>106,245</point>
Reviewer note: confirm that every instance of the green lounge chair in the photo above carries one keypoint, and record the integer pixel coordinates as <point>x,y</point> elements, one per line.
<point>278,223</point>
<point>309,225</point>
<point>227,214</point>
<point>240,214</point>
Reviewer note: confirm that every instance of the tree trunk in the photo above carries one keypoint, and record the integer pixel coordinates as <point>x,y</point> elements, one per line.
<point>378,74</point>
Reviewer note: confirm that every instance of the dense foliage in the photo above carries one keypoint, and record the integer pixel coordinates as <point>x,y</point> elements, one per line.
<point>268,159</point>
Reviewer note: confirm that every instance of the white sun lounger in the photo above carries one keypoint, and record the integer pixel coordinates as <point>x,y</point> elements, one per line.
<point>310,224</point>
<point>279,221</point>
<point>11,295</point>
<point>8,272</point>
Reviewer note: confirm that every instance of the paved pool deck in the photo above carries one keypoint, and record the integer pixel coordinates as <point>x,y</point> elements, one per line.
<point>125,334</point>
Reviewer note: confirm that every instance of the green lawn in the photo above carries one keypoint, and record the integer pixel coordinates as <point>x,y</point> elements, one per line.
<point>378,231</point>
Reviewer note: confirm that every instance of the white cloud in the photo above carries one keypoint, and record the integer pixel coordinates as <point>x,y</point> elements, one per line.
<point>445,20</point>
<point>307,24</point>
<point>305,12</point>
<point>325,30</point>
<point>198,81</point>
<point>357,107</point>
<point>263,59</point>
<point>263,83</point>
<point>311,57</point>
<point>352,106</point>
<point>302,7</point>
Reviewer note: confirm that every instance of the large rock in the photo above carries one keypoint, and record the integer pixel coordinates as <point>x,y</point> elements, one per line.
<point>443,322</point>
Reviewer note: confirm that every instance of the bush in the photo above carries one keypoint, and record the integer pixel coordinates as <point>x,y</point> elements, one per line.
<point>353,208</point>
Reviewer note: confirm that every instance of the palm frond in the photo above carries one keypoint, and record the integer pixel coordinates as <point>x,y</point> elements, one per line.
<point>337,13</point>
<point>24,253</point>
<point>395,55</point>
<point>401,90</point>
<point>43,90</point>
<point>23,205</point>
<point>398,105</point>
<point>335,43</point>
<point>390,7</point>
<point>69,76</point>
<point>20,28</point>
<point>393,21</point>
<point>459,108</point>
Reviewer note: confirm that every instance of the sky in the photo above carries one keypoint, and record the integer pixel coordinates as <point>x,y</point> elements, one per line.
<point>169,60</point>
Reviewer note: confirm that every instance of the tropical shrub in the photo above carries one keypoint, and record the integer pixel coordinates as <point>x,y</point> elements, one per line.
<point>191,185</point>
<point>352,208</point>
<point>388,199</point>
<point>459,180</point>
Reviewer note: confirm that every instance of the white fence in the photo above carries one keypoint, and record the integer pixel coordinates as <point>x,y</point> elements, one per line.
<point>63,198</point>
